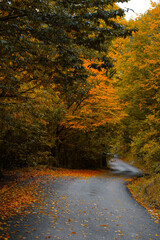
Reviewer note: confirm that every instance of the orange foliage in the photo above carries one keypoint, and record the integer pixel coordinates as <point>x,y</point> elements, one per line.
<point>102,105</point>
<point>14,199</point>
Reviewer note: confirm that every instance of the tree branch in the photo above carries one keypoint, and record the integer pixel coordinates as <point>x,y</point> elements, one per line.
<point>9,17</point>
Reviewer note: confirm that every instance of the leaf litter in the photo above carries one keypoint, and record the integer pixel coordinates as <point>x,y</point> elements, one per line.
<point>25,189</point>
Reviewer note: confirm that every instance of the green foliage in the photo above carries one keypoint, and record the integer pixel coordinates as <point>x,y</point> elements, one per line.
<point>42,41</point>
<point>20,140</point>
<point>25,126</point>
<point>147,145</point>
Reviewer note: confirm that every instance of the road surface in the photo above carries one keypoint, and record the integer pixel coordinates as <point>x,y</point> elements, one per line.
<point>122,168</point>
<point>97,208</point>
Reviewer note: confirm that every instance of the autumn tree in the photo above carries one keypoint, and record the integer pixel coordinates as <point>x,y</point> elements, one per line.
<point>96,115</point>
<point>44,44</point>
<point>42,41</point>
<point>137,79</point>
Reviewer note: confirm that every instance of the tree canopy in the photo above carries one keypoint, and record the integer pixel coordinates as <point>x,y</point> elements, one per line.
<point>55,78</point>
<point>43,41</point>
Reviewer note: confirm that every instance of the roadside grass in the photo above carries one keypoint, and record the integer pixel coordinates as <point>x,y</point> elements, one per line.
<point>146,191</point>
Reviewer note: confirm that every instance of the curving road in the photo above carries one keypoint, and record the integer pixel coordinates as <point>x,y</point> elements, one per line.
<point>98,208</point>
<point>123,168</point>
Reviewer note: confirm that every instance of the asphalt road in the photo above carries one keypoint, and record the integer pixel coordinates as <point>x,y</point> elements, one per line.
<point>98,208</point>
<point>122,168</point>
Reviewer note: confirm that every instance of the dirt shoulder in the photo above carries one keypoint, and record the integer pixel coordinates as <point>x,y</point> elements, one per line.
<point>146,191</point>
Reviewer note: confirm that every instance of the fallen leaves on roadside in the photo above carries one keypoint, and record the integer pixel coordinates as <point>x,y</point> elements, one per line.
<point>23,190</point>
<point>14,200</point>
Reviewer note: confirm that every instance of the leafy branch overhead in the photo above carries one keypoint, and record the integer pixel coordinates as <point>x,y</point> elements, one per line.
<point>56,86</point>
<point>44,41</point>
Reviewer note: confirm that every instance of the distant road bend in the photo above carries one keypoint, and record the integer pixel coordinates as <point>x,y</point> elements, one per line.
<point>123,168</point>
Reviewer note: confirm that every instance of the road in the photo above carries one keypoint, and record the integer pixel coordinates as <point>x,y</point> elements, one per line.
<point>97,208</point>
<point>122,168</point>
